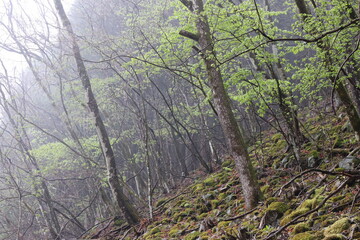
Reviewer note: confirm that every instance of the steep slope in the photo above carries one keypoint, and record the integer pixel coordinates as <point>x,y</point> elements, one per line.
<point>318,203</point>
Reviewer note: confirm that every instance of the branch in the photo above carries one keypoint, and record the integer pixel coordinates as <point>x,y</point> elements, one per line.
<point>190,35</point>
<point>347,174</point>
<point>240,216</point>
<point>188,4</point>
<point>321,36</point>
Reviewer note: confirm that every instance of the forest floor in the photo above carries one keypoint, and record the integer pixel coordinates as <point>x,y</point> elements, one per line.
<point>322,202</point>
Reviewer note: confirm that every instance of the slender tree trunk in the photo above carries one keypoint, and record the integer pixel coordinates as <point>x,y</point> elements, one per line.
<point>129,212</point>
<point>222,104</point>
<point>345,98</point>
<point>40,186</point>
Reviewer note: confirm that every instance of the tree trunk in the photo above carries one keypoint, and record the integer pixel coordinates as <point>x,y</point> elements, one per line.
<point>350,107</point>
<point>129,212</point>
<point>40,186</point>
<point>232,133</point>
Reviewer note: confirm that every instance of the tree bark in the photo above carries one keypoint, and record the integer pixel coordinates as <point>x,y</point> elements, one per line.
<point>232,133</point>
<point>129,212</point>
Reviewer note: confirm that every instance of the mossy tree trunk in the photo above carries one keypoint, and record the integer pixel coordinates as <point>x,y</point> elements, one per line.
<point>232,133</point>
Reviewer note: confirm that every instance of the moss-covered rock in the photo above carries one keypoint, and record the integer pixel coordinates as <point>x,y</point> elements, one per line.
<point>293,215</point>
<point>192,236</point>
<point>174,231</point>
<point>210,181</point>
<point>304,236</point>
<point>338,227</point>
<point>301,227</point>
<point>198,188</point>
<point>279,207</point>
<point>154,230</point>
<point>334,237</point>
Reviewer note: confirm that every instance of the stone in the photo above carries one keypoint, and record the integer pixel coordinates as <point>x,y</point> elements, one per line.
<point>349,163</point>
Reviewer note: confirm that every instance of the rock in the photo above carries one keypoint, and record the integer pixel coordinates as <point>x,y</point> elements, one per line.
<point>312,162</point>
<point>270,218</point>
<point>346,127</point>
<point>273,213</point>
<point>349,163</point>
<point>207,224</point>
<point>338,227</point>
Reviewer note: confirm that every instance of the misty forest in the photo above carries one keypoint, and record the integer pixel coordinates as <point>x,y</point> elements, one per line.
<point>180,119</point>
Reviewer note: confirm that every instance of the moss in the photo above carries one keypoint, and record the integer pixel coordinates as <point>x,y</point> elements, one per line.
<point>270,200</point>
<point>228,163</point>
<point>223,224</point>
<point>119,222</point>
<point>227,169</point>
<point>214,203</point>
<point>204,236</point>
<point>314,153</point>
<point>301,227</point>
<point>198,187</point>
<point>208,196</point>
<point>338,227</point>
<point>192,236</point>
<point>154,230</point>
<point>174,232</point>
<point>334,237</point>
<point>201,208</point>
<point>319,191</point>
<point>279,207</point>
<point>160,202</point>
<point>293,215</point>
<point>337,198</point>
<point>338,143</point>
<point>210,181</point>
<point>264,188</point>
<point>356,235</point>
<point>222,196</point>
<point>165,221</point>
<point>310,203</point>
<point>304,236</point>
<point>202,216</point>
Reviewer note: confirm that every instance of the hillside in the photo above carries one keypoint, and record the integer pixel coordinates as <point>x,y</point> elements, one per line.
<point>317,203</point>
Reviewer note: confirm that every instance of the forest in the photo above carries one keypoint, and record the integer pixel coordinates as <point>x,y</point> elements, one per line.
<point>179,119</point>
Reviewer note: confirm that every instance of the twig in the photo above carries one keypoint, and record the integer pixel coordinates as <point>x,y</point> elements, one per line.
<point>126,233</point>
<point>354,151</point>
<point>353,201</point>
<point>169,200</point>
<point>240,216</point>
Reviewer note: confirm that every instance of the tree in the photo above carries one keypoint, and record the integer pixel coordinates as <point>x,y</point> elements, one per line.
<point>129,212</point>
<point>231,129</point>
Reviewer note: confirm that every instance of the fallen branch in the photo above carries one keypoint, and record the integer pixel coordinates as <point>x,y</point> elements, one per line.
<point>240,216</point>
<point>350,174</point>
